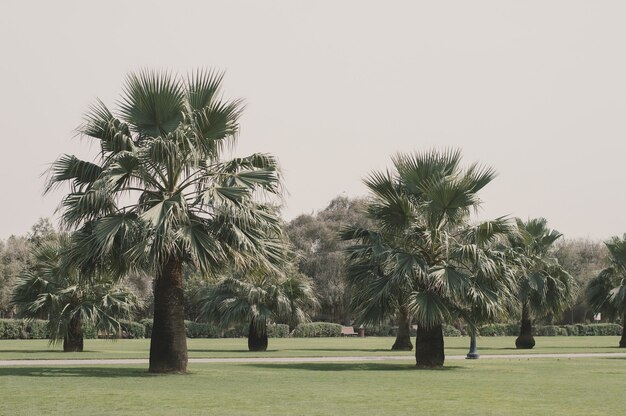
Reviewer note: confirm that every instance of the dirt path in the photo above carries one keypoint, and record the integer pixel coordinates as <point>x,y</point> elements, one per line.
<point>45,363</point>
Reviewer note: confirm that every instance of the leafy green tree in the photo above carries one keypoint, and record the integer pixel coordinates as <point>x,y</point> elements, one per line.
<point>51,289</point>
<point>583,259</point>
<point>41,231</point>
<point>15,256</point>
<point>321,255</point>
<point>160,196</point>
<point>421,210</point>
<point>606,293</point>
<point>257,298</point>
<point>545,288</point>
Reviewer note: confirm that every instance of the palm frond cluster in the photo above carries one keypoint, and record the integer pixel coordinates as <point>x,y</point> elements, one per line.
<point>424,254</point>
<point>256,298</point>
<point>56,291</point>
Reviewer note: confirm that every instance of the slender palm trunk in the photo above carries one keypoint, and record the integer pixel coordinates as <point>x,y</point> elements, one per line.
<point>73,341</point>
<point>525,339</point>
<point>622,341</point>
<point>429,347</point>
<point>257,340</point>
<point>168,344</point>
<point>473,350</point>
<point>403,339</point>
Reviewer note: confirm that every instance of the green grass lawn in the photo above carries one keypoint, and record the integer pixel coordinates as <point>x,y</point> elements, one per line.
<point>503,387</point>
<point>299,347</point>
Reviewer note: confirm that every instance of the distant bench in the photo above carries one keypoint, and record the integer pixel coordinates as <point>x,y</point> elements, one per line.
<point>347,331</point>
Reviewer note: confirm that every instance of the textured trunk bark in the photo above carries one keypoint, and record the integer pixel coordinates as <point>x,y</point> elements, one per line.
<point>403,339</point>
<point>622,341</point>
<point>73,341</point>
<point>257,341</point>
<point>525,339</point>
<point>168,344</point>
<point>429,347</point>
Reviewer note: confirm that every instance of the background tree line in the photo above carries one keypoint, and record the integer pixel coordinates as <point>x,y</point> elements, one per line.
<point>320,255</point>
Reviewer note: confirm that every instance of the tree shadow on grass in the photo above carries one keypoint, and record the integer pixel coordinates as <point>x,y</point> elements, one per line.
<point>71,372</point>
<point>60,352</point>
<point>270,350</point>
<point>352,366</point>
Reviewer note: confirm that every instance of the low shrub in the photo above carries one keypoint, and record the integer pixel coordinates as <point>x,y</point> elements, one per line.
<point>549,331</point>
<point>499,330</point>
<point>278,331</point>
<point>604,329</point>
<point>317,329</point>
<point>132,330</point>
<point>450,331</point>
<point>201,330</point>
<point>237,332</point>
<point>147,324</point>
<point>23,329</point>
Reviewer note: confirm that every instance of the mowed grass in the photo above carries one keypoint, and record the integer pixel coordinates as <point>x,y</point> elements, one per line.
<point>299,347</point>
<point>469,387</point>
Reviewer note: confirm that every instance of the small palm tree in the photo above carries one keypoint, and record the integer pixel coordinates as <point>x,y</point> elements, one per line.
<point>51,289</point>
<point>160,197</point>
<point>545,288</point>
<point>421,210</point>
<point>606,293</point>
<point>482,254</point>
<point>258,298</point>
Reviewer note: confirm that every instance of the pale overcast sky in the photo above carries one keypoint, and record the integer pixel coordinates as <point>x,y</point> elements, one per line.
<point>536,89</point>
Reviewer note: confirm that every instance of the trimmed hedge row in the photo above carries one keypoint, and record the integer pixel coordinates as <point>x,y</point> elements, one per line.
<point>22,329</point>
<point>392,331</point>
<point>207,330</point>
<point>317,329</point>
<point>37,329</point>
<point>512,329</point>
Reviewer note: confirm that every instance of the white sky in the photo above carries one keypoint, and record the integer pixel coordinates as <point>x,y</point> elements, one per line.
<point>536,89</point>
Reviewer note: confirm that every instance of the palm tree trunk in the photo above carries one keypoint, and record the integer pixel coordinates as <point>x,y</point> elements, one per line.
<point>525,339</point>
<point>257,340</point>
<point>622,341</point>
<point>429,347</point>
<point>403,339</point>
<point>473,350</point>
<point>168,344</point>
<point>73,340</point>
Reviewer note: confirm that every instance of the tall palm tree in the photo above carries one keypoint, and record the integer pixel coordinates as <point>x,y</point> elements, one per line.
<point>606,293</point>
<point>421,210</point>
<point>51,289</point>
<point>160,196</point>
<point>544,286</point>
<point>257,298</point>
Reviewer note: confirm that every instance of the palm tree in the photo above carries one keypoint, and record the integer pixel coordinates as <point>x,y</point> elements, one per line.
<point>482,254</point>
<point>258,298</point>
<point>606,293</point>
<point>51,289</point>
<point>421,210</point>
<point>160,196</point>
<point>545,288</point>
